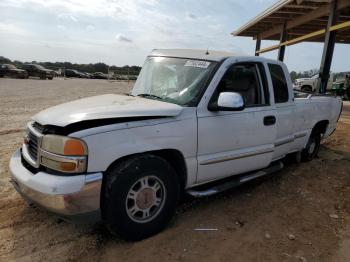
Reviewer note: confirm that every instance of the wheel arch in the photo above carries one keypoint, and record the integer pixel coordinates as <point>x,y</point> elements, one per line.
<point>306,86</point>
<point>320,127</point>
<point>173,156</point>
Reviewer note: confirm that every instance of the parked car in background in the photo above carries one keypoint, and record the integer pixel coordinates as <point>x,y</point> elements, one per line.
<point>74,73</point>
<point>342,87</point>
<point>193,117</point>
<point>132,77</point>
<point>39,71</point>
<point>87,75</point>
<point>12,71</point>
<point>57,73</point>
<point>122,77</point>
<point>99,75</point>
<point>310,84</point>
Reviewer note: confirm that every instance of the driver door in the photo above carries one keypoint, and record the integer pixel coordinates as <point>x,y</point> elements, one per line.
<point>234,142</point>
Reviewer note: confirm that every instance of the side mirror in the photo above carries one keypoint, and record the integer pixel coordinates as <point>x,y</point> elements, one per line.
<point>230,101</point>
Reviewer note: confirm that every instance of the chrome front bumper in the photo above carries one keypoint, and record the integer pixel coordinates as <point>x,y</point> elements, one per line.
<point>71,197</point>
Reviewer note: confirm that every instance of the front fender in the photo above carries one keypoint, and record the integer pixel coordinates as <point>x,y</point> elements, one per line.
<point>107,147</point>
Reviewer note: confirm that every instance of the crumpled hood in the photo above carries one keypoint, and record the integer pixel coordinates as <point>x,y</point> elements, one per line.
<point>103,107</point>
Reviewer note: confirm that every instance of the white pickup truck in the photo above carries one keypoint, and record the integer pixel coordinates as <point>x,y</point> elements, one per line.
<point>195,122</point>
<point>310,84</point>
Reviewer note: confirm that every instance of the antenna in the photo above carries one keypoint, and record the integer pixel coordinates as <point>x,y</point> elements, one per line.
<point>207,53</point>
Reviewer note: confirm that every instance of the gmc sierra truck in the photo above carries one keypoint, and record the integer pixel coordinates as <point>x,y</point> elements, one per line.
<point>195,122</point>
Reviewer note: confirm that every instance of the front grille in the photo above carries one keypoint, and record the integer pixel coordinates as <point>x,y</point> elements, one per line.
<point>28,166</point>
<point>33,145</point>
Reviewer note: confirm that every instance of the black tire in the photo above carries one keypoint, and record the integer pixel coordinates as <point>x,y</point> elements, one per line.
<point>306,89</point>
<point>117,186</point>
<point>50,78</point>
<point>312,148</point>
<point>293,158</point>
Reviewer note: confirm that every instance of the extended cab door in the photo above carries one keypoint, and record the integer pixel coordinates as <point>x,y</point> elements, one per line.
<point>234,142</point>
<point>285,109</point>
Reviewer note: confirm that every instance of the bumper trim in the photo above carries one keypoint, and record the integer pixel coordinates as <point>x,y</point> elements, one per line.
<point>93,178</point>
<point>67,200</point>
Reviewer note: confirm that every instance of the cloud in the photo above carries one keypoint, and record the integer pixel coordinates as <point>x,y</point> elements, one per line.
<point>93,8</point>
<point>191,16</point>
<point>122,38</point>
<point>73,18</point>
<point>9,28</point>
<point>67,16</point>
<point>90,28</point>
<point>86,30</point>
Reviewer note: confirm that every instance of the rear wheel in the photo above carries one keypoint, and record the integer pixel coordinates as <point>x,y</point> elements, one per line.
<point>312,148</point>
<point>139,197</point>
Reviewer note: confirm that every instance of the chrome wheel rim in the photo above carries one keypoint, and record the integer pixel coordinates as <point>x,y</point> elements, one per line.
<point>145,199</point>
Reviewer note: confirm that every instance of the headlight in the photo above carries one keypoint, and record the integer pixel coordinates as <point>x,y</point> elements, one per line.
<point>63,154</point>
<point>64,145</point>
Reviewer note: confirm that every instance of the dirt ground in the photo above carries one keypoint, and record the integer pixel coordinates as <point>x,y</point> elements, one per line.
<point>301,213</point>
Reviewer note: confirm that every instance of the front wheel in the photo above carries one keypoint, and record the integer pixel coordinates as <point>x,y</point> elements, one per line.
<point>307,89</point>
<point>312,148</point>
<point>139,197</point>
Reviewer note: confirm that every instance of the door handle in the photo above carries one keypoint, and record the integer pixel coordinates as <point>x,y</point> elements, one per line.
<point>269,120</point>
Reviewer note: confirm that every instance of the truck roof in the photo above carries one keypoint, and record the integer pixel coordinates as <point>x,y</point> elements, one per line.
<point>194,54</point>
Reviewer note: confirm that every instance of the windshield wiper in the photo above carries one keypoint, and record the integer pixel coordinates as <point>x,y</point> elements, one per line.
<point>149,96</point>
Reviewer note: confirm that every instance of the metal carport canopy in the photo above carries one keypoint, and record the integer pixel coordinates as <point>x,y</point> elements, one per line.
<point>294,21</point>
<point>303,20</point>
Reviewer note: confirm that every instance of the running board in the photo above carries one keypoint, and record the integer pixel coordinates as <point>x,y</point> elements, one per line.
<point>235,181</point>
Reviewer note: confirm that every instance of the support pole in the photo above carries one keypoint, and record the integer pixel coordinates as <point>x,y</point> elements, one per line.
<point>258,45</point>
<point>328,49</point>
<point>283,38</point>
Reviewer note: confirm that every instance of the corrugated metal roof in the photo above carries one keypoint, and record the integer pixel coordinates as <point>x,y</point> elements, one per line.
<point>301,17</point>
<point>261,16</point>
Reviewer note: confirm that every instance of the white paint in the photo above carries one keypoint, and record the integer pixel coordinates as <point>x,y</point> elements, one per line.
<point>200,135</point>
<point>105,106</point>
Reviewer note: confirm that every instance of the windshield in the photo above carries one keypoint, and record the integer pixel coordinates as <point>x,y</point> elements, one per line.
<point>175,80</point>
<point>10,66</point>
<point>40,67</point>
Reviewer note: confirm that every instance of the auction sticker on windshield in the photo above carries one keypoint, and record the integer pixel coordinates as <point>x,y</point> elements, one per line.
<point>197,63</point>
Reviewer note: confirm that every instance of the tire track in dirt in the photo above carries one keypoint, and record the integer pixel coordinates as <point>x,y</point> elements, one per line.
<point>10,131</point>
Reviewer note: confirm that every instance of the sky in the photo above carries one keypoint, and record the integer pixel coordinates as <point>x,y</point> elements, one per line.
<point>124,32</point>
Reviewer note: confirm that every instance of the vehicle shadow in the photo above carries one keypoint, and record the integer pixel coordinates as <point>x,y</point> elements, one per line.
<point>38,234</point>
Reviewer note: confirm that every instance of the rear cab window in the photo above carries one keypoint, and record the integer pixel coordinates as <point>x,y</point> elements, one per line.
<point>279,83</point>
